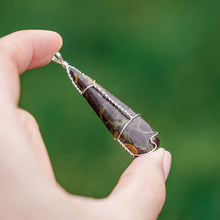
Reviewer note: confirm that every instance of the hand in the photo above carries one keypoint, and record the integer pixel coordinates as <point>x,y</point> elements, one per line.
<point>28,188</point>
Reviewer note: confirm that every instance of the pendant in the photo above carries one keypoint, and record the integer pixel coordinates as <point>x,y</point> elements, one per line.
<point>131,131</point>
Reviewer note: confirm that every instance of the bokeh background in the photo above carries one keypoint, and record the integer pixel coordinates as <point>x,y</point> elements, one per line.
<point>159,57</point>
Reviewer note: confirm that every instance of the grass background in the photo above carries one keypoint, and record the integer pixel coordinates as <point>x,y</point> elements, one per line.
<point>159,57</point>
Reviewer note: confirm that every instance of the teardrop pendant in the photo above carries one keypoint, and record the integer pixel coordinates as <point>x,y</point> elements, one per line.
<point>131,131</point>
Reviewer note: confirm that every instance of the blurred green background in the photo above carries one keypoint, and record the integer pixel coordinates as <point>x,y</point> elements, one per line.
<point>159,57</point>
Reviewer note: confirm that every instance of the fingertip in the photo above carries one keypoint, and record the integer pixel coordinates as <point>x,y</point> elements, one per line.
<point>154,156</point>
<point>24,50</point>
<point>59,38</point>
<point>50,43</point>
<point>56,37</point>
<point>162,157</point>
<point>167,163</point>
<point>28,49</point>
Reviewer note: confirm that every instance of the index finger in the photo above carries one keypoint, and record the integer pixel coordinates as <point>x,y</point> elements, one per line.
<point>20,51</point>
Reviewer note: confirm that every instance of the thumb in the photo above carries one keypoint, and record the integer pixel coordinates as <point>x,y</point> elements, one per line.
<point>141,188</point>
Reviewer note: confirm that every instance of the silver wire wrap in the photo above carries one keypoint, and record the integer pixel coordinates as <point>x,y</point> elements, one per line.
<point>92,85</point>
<point>59,59</point>
<point>151,139</point>
<point>107,97</point>
<point>128,122</point>
<point>132,154</point>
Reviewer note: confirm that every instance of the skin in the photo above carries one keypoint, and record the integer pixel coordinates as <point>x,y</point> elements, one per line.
<point>28,187</point>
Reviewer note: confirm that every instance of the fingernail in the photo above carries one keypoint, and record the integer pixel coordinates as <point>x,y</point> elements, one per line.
<point>167,163</point>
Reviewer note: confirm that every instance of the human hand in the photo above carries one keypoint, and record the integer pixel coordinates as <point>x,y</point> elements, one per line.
<point>28,188</point>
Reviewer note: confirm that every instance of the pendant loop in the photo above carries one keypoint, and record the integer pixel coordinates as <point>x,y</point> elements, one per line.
<point>59,59</point>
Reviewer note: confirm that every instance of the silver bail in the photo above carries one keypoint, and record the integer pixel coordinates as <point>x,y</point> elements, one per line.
<point>59,59</point>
